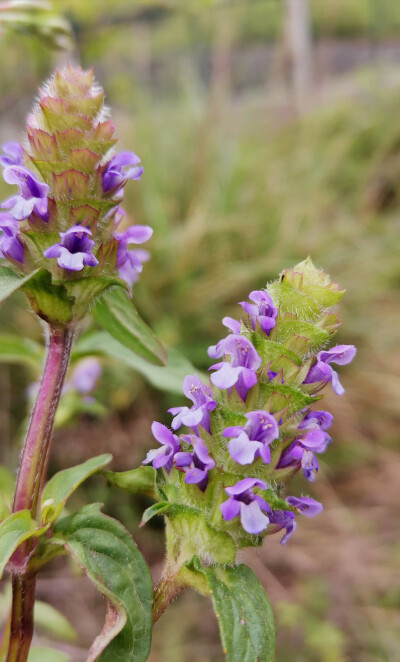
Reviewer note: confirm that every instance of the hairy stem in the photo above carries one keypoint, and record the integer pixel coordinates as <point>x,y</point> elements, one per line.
<point>30,480</point>
<point>166,591</point>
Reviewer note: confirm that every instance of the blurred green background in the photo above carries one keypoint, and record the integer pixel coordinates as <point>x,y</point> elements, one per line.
<point>245,172</point>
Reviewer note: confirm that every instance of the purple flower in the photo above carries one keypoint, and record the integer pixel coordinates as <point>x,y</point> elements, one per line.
<point>252,440</point>
<point>284,519</point>
<point>164,456</point>
<point>242,501</point>
<point>124,165</point>
<point>262,310</point>
<point>321,419</point>
<point>73,252</point>
<point>322,373</point>
<point>240,372</point>
<point>85,375</point>
<point>32,196</point>
<point>231,324</point>
<point>13,154</point>
<point>10,246</point>
<point>197,464</point>
<point>301,452</point>
<point>203,403</point>
<point>129,262</point>
<point>305,505</point>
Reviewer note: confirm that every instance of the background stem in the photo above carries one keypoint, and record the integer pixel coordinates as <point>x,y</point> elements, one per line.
<point>30,480</point>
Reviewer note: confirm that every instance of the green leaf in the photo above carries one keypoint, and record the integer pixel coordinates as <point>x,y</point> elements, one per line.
<point>244,614</point>
<point>116,313</point>
<point>156,509</point>
<point>13,531</point>
<point>165,378</point>
<point>10,282</point>
<point>189,533</point>
<point>52,622</point>
<point>107,554</point>
<point>64,483</point>
<point>44,654</point>
<point>14,349</point>
<point>141,480</point>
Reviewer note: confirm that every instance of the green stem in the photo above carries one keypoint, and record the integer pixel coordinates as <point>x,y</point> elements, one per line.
<point>30,480</point>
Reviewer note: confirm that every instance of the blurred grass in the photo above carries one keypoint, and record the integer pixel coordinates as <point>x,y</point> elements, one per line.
<point>236,191</point>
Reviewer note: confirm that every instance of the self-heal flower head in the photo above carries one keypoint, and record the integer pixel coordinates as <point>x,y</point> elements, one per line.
<point>32,196</point>
<point>241,370</point>
<point>123,166</point>
<point>262,310</point>
<point>73,252</point>
<point>203,403</point>
<point>197,464</point>
<point>129,262</point>
<point>162,457</point>
<point>252,439</point>
<point>10,246</point>
<point>13,154</point>
<point>322,373</point>
<point>251,507</point>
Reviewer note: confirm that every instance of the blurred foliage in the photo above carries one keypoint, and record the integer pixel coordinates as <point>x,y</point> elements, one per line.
<point>237,187</point>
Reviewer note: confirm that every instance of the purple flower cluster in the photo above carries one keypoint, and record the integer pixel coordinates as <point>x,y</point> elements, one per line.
<point>196,463</point>
<point>249,442</point>
<point>244,361</point>
<point>74,251</point>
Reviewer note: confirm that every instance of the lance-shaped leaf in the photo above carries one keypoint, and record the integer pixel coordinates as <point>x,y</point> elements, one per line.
<point>115,312</point>
<point>10,282</point>
<point>244,614</point>
<point>64,483</point>
<point>165,378</point>
<point>141,480</point>
<point>13,531</point>
<point>105,551</point>
<point>14,349</point>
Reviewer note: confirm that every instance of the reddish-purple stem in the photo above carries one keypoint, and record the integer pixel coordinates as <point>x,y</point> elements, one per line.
<point>30,480</point>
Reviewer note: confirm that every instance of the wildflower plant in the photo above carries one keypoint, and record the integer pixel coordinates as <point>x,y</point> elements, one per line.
<point>220,473</point>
